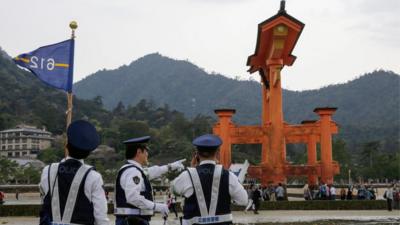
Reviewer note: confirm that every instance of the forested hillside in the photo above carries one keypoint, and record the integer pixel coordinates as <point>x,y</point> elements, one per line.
<point>368,113</point>
<point>25,99</point>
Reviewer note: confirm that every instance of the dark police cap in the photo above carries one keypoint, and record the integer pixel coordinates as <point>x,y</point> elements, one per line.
<point>207,142</point>
<point>83,135</point>
<point>139,140</point>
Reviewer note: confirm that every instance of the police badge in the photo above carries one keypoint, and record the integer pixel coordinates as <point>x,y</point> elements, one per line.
<point>136,179</point>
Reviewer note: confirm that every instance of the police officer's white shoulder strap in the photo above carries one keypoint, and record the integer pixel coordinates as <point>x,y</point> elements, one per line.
<point>215,189</point>
<point>73,192</point>
<point>54,195</point>
<point>198,191</point>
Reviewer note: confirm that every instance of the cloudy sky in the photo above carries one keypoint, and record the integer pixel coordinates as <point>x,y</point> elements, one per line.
<point>342,39</point>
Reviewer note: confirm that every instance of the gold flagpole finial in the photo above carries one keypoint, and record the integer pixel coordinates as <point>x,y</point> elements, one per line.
<point>73,25</point>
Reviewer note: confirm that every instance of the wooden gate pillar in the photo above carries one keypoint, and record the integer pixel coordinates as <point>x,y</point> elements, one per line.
<point>326,144</point>
<point>312,158</point>
<point>265,122</point>
<point>223,131</point>
<point>277,141</point>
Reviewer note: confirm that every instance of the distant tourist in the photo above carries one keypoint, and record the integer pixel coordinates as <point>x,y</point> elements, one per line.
<point>323,191</point>
<point>314,191</point>
<point>280,193</point>
<point>307,192</point>
<point>171,202</point>
<point>1,197</point>
<point>388,195</point>
<point>106,193</point>
<point>350,193</point>
<point>373,192</point>
<point>16,194</point>
<point>256,199</point>
<point>265,194</point>
<point>370,193</point>
<point>396,198</point>
<point>342,193</point>
<point>332,191</point>
<point>361,192</point>
<point>250,192</point>
<point>271,192</point>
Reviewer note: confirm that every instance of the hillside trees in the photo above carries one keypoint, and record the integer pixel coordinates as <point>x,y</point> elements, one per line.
<point>377,164</point>
<point>12,173</point>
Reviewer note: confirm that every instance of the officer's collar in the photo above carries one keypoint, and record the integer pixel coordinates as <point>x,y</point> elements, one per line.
<point>208,162</point>
<point>135,163</point>
<point>69,157</point>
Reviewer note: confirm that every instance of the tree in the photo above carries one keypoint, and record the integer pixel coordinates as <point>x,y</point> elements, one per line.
<point>7,170</point>
<point>98,100</point>
<point>119,110</point>
<point>201,125</point>
<point>342,156</point>
<point>369,152</point>
<point>51,155</point>
<point>31,174</point>
<point>129,129</point>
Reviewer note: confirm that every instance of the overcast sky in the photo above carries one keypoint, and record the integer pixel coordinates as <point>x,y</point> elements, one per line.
<point>342,39</point>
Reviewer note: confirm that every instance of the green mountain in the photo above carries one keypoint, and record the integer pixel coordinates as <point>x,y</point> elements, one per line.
<point>368,107</point>
<point>180,84</point>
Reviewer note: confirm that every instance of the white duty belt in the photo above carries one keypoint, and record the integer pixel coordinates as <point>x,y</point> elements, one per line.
<point>207,215</point>
<point>72,194</point>
<point>133,211</point>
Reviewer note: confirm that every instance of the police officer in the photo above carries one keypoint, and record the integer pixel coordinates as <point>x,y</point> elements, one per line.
<point>208,189</point>
<point>133,191</point>
<point>72,191</point>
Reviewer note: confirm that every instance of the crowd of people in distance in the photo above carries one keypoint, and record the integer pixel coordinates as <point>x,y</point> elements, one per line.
<point>328,192</point>
<point>323,191</point>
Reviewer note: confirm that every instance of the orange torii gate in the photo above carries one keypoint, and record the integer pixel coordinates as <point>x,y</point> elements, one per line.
<point>276,39</point>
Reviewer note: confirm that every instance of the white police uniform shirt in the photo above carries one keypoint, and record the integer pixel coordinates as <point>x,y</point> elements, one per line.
<point>182,185</point>
<point>132,190</point>
<point>93,190</point>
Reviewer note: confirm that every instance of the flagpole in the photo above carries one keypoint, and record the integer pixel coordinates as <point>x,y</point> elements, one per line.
<point>73,25</point>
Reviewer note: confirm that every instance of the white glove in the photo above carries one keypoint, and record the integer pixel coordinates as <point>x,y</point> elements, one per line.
<point>177,165</point>
<point>162,208</point>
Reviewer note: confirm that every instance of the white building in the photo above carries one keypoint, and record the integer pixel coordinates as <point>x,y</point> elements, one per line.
<point>24,141</point>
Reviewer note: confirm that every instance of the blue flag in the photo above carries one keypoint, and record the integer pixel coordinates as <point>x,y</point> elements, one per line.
<point>53,64</point>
